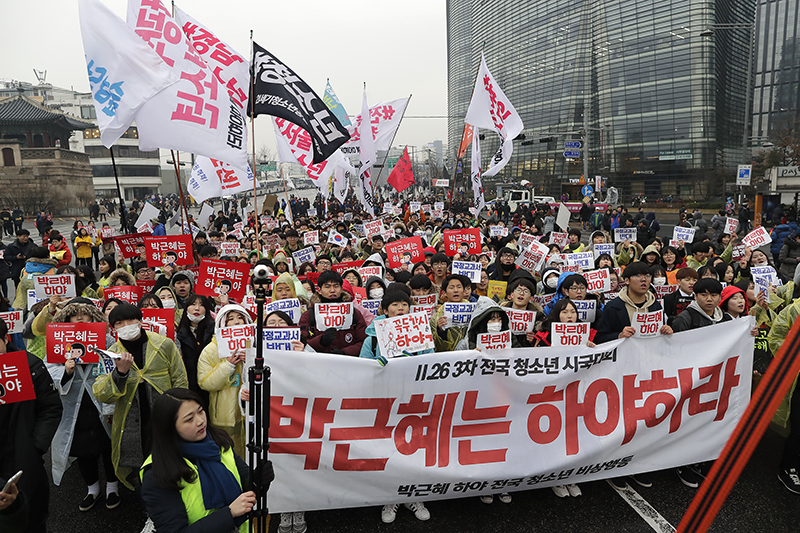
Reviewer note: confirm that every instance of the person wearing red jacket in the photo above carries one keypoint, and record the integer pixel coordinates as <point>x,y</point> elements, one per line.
<point>59,250</point>
<point>331,340</point>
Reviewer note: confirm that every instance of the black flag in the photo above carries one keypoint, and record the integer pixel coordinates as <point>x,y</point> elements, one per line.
<point>279,92</point>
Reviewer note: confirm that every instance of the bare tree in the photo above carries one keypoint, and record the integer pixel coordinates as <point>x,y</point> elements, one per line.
<point>264,154</point>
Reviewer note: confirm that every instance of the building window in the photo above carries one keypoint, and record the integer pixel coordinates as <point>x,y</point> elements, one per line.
<point>8,157</point>
<point>88,111</point>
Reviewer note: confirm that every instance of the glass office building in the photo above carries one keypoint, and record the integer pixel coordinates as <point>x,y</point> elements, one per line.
<point>663,106</point>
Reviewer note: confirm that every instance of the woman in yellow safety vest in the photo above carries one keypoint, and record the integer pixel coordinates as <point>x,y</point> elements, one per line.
<point>193,477</point>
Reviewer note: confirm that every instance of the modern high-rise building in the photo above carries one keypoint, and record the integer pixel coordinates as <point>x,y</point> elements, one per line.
<point>659,99</point>
<point>776,98</point>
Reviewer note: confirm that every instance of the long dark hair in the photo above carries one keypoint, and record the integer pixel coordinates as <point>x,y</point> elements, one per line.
<point>555,313</point>
<point>169,466</point>
<point>204,324</point>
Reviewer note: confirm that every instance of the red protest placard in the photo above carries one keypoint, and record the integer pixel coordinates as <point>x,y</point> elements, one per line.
<point>147,285</point>
<point>223,277</point>
<point>404,252</point>
<point>162,317</point>
<point>126,293</point>
<point>131,245</point>
<point>347,265</point>
<point>172,250</point>
<point>107,233</point>
<point>462,241</point>
<point>16,384</point>
<point>74,341</point>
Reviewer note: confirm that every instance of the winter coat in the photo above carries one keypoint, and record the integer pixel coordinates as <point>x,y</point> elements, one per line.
<point>26,431</point>
<point>477,324</point>
<point>617,315</point>
<point>124,275</point>
<point>163,370</point>
<point>12,251</point>
<point>190,348</point>
<point>694,317</point>
<point>789,256</point>
<point>62,254</point>
<point>33,267</point>
<point>451,336</point>
<point>83,247</point>
<point>348,341</point>
<point>779,235</point>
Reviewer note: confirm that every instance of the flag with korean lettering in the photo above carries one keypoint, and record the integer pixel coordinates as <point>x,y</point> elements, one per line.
<point>16,383</point>
<point>491,109</point>
<point>384,118</point>
<point>131,245</point>
<point>75,341</point>
<point>462,241</point>
<point>169,251</point>
<point>212,178</point>
<point>475,176</point>
<point>223,277</point>
<point>124,72</point>
<point>196,114</point>
<point>227,64</point>
<point>279,92</point>
<point>402,176</point>
<point>405,252</point>
<point>294,146</point>
<point>463,424</point>
<point>335,105</point>
<point>367,157</point>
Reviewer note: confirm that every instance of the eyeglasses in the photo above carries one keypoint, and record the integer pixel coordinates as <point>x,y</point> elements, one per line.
<point>522,291</point>
<point>577,288</point>
<point>507,256</point>
<point>642,276</point>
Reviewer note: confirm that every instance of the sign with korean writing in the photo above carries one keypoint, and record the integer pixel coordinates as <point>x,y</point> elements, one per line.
<point>229,249</point>
<point>490,410</point>
<point>661,291</point>
<point>757,237</point>
<point>280,338</point>
<point>468,268</point>
<point>371,305</point>
<point>290,306</point>
<point>56,285</point>
<point>407,333</point>
<point>458,314</point>
<point>414,206</point>
<point>427,299</point>
<point>33,299</point>
<point>561,239</point>
<point>731,225</point>
<point>236,338</point>
<point>492,342</point>
<point>107,232</point>
<point>598,281</point>
<point>462,241</point>
<point>347,265</point>
<point>16,384</point>
<point>126,293</point>
<point>404,252</point>
<point>441,183</point>
<point>526,240</point>
<point>648,324</point>
<point>739,251</point>
<point>532,258</point>
<point>599,249</point>
<point>373,227</point>
<point>145,228</point>
<point>14,320</point>
<point>223,277</point>
<point>522,320</point>
<point>304,255</point>
<point>762,284</point>
<point>624,234</point>
<point>587,309</point>
<point>683,234</point>
<point>438,206</point>
<point>498,231</point>
<point>496,288</point>
<point>569,334</point>
<point>172,250</point>
<point>584,260</point>
<point>162,317</point>
<point>131,246</point>
<point>311,237</point>
<point>75,341</point>
<point>333,315</point>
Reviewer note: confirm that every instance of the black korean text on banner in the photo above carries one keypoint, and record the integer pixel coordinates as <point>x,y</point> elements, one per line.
<point>462,241</point>
<point>404,252</point>
<point>169,251</point>
<point>58,285</point>
<point>223,277</point>
<point>279,92</point>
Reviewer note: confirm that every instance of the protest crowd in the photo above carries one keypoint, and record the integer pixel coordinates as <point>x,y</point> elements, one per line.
<point>162,304</point>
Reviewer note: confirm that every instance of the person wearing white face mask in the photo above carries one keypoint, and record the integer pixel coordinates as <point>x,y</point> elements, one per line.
<point>193,334</point>
<point>376,288</point>
<point>149,364</point>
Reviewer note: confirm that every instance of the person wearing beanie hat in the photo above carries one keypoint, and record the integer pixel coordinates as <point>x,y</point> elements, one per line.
<point>292,242</point>
<point>182,284</point>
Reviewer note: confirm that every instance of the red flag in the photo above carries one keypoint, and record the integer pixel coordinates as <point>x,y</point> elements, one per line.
<point>402,177</point>
<point>466,140</point>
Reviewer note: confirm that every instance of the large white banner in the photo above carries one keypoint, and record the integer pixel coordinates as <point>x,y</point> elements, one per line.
<point>463,424</point>
<point>385,119</point>
<point>212,178</point>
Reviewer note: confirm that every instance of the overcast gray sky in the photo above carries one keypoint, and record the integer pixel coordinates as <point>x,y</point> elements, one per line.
<point>397,48</point>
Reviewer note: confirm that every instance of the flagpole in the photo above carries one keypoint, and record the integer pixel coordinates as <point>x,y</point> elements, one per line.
<point>183,211</point>
<point>253,136</point>
<point>122,218</point>
<point>392,141</point>
<point>286,193</point>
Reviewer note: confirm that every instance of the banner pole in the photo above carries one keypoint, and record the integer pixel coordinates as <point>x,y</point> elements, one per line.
<point>182,208</point>
<point>253,137</point>
<point>122,218</point>
<point>386,157</point>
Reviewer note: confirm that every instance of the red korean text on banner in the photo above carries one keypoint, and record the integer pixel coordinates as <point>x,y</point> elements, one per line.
<point>14,321</point>
<point>347,265</point>
<point>162,317</point>
<point>127,293</point>
<point>172,250</point>
<point>131,246</point>
<point>16,384</point>
<point>404,252</point>
<point>463,241</point>
<point>75,341</point>
<point>223,277</point>
<point>56,285</point>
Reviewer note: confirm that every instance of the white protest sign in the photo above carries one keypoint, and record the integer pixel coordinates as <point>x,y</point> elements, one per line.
<point>13,320</point>
<point>569,333</point>
<point>304,255</point>
<point>426,299</point>
<point>333,315</point>
<point>407,333</point>
<point>468,268</point>
<point>373,227</point>
<point>370,271</point>
<point>532,258</point>
<point>311,237</point>
<point>600,249</point>
<point>280,338</point>
<point>490,342</point>
<point>312,211</point>
<point>148,212</point>
<point>371,306</point>
<point>498,231</point>
<point>648,324</point>
<point>235,338</point>
<point>427,309</point>
<point>731,225</point>
<point>762,283</point>
<point>756,238</point>
<point>587,309</point>
<point>290,306</point>
<point>414,206</point>
<point>661,291</point>
<point>585,260</point>
<point>598,281</point>
<point>33,299</point>
<point>522,320</point>
<point>458,314</point>
<point>683,234</point>
<point>56,285</point>
<point>438,206</point>
<point>561,239</point>
<point>562,217</point>
<point>525,240</point>
<point>767,271</point>
<point>229,248</point>
<point>149,325</point>
<point>624,234</point>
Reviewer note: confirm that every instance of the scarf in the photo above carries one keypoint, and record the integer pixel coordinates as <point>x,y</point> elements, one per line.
<point>218,483</point>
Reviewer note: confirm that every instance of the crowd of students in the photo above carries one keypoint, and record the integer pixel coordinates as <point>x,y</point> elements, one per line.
<point>108,418</point>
